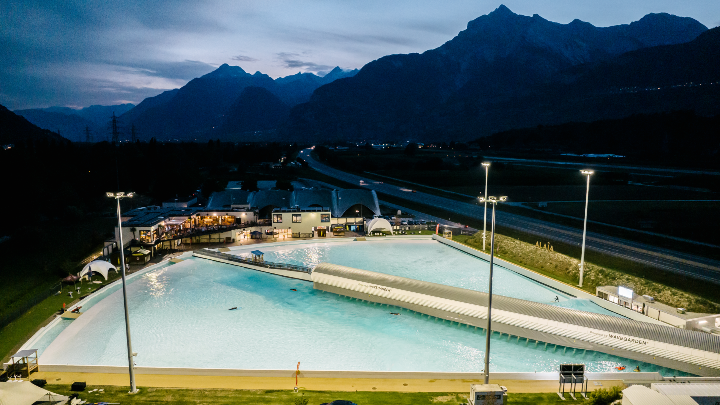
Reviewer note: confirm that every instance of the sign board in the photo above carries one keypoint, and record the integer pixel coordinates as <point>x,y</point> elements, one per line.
<point>625,292</point>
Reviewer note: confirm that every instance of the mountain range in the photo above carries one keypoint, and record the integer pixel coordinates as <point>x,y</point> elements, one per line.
<point>72,123</point>
<point>511,71</point>
<point>198,109</point>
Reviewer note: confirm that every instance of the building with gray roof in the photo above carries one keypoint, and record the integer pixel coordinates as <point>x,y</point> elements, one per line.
<point>313,197</point>
<point>348,198</point>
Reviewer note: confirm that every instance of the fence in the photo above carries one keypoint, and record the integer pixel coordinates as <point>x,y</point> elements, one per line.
<point>269,265</point>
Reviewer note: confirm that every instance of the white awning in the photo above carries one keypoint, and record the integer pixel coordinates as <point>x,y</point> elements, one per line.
<point>25,353</point>
<point>26,393</point>
<point>98,266</point>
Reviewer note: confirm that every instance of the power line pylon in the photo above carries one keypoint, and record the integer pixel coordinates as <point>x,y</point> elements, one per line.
<point>115,132</point>
<point>88,137</point>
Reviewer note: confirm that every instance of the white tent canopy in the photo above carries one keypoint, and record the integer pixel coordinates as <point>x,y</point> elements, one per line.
<point>378,224</point>
<point>98,266</point>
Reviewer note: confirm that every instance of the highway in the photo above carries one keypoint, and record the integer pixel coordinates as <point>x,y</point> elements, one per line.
<point>681,263</point>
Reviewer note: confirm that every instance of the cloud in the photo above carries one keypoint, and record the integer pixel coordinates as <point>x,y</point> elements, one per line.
<point>292,61</point>
<point>244,58</point>
<point>182,70</point>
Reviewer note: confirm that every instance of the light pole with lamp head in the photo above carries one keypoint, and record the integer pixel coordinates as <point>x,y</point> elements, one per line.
<point>587,199</point>
<point>484,197</point>
<point>493,201</point>
<point>131,364</point>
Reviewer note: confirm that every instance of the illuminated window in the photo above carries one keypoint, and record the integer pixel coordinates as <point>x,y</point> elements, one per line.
<point>297,218</point>
<point>277,218</point>
<point>324,217</point>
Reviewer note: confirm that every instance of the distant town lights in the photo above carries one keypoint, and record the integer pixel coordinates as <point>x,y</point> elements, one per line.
<point>119,195</point>
<point>486,164</point>
<point>587,172</point>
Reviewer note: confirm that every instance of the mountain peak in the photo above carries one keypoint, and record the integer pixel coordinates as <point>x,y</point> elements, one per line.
<point>497,18</point>
<point>502,11</point>
<point>335,70</point>
<point>226,70</point>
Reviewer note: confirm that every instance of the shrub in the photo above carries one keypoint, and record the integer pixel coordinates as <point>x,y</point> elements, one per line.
<point>604,397</point>
<point>301,400</point>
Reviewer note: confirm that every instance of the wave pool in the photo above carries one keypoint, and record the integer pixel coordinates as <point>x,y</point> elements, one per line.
<point>180,317</point>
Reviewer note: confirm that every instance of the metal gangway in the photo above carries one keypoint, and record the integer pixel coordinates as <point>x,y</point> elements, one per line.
<point>253,262</point>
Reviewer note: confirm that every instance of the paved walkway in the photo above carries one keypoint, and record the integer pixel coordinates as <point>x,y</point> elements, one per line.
<point>312,384</point>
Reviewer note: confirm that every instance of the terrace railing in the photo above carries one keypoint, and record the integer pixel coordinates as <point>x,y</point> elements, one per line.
<point>242,260</point>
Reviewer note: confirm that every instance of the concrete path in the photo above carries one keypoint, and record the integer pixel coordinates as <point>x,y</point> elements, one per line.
<point>311,384</point>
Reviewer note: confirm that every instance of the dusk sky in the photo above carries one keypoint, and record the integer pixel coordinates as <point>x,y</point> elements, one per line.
<point>78,53</point>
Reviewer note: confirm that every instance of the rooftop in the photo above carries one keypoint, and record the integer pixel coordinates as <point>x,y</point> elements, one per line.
<point>186,199</point>
<point>153,215</point>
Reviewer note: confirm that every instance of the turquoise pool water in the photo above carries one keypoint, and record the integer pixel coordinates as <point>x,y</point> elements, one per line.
<point>180,318</point>
<point>425,260</point>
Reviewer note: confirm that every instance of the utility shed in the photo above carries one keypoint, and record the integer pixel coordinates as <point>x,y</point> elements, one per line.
<point>487,394</point>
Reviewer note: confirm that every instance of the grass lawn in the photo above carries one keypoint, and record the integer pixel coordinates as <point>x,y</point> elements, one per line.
<point>22,329</point>
<point>562,267</point>
<point>33,266</point>
<point>38,259</point>
<point>220,396</point>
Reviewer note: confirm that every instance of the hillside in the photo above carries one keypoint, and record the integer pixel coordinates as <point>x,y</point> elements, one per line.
<point>655,138</point>
<point>15,129</point>
<point>257,109</point>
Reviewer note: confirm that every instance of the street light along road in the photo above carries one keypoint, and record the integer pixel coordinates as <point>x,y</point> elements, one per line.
<point>131,364</point>
<point>487,167</point>
<point>587,173</point>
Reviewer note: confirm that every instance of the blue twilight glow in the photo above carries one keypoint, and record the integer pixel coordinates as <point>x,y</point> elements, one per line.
<point>88,52</point>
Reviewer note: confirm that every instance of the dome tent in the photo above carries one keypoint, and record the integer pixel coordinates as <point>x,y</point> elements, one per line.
<point>379,224</point>
<point>98,266</point>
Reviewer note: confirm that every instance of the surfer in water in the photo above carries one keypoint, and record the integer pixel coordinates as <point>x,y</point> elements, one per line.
<point>394,313</point>
<point>557,299</point>
<point>293,289</point>
<point>232,308</point>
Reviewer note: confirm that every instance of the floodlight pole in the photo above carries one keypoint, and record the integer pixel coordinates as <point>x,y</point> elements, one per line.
<point>587,199</point>
<point>131,363</point>
<point>494,202</point>
<point>487,166</point>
